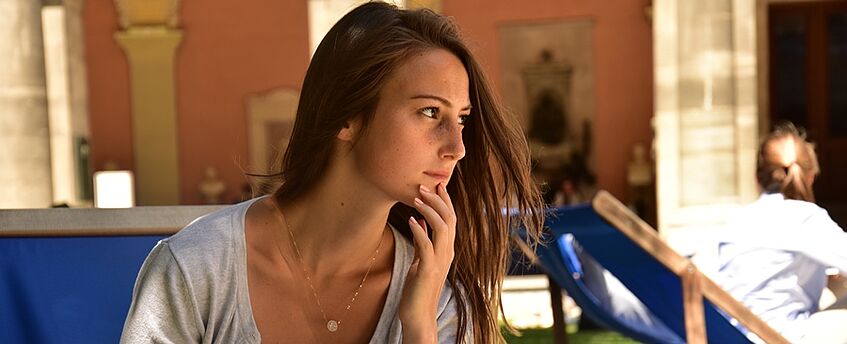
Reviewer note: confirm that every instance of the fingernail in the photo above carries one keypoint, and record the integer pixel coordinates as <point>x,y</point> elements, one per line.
<point>418,201</point>
<point>412,220</point>
<point>425,189</point>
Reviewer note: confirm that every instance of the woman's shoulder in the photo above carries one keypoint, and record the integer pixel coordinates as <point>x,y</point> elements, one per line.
<point>198,273</point>
<point>215,238</point>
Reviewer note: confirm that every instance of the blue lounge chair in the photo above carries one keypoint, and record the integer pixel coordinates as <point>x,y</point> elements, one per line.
<point>66,275</point>
<point>601,297</point>
<point>68,289</point>
<point>683,300</point>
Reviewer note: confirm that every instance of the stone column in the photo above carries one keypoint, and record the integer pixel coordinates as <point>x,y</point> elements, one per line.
<point>25,177</point>
<point>150,38</point>
<point>67,101</point>
<point>53,19</point>
<point>78,97</point>
<point>705,114</point>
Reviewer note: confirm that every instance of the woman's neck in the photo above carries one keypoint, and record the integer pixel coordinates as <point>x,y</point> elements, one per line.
<point>337,225</point>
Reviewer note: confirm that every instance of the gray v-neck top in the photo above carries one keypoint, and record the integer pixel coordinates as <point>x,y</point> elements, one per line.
<point>192,288</point>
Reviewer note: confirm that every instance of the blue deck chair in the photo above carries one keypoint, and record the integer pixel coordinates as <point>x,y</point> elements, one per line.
<point>68,285</point>
<point>669,285</point>
<point>68,289</point>
<point>593,292</point>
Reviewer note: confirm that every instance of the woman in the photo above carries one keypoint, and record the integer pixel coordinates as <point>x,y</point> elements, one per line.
<point>781,244</point>
<point>398,139</point>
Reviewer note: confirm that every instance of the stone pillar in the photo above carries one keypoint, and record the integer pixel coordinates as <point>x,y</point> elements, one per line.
<point>705,114</point>
<point>150,38</point>
<point>67,101</point>
<point>78,98</point>
<point>25,177</point>
<point>53,19</point>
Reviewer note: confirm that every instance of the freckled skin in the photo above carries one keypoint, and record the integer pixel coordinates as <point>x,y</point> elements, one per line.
<point>414,139</point>
<point>401,142</point>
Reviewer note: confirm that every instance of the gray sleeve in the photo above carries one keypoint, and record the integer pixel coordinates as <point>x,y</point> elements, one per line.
<point>162,309</point>
<point>448,319</point>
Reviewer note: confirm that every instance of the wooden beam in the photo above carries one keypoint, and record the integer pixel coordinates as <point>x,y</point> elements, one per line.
<point>721,299</point>
<point>694,282</point>
<point>560,328</point>
<point>692,303</point>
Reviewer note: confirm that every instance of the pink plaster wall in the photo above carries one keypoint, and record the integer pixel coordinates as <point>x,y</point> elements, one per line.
<point>623,66</point>
<point>108,88</point>
<point>229,51</point>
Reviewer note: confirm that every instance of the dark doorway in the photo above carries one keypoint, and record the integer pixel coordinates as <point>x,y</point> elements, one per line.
<point>808,86</point>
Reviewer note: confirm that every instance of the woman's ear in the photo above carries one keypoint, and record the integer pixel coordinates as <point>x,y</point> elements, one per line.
<point>350,130</point>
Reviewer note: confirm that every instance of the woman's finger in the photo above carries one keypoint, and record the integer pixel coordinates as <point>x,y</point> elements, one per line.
<point>441,190</point>
<point>429,213</point>
<point>446,235</point>
<point>441,240</point>
<point>437,202</point>
<point>423,247</point>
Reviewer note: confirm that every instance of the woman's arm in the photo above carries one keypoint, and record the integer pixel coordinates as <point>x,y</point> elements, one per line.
<point>162,309</point>
<point>428,273</point>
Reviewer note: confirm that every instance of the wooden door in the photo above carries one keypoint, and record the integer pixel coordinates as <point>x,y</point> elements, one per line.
<point>808,86</point>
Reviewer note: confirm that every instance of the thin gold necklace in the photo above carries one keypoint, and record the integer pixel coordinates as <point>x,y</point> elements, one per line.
<point>332,325</point>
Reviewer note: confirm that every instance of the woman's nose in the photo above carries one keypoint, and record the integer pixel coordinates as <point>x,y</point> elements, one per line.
<point>453,147</point>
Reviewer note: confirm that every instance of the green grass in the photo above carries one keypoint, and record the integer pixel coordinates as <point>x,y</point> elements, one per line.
<point>545,336</point>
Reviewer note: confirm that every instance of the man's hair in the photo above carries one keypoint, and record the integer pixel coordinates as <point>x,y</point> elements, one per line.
<point>785,160</point>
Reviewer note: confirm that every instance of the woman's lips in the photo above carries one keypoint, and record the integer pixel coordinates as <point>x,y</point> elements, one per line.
<point>440,175</point>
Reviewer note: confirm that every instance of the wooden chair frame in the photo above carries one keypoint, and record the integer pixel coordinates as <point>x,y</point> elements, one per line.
<point>695,285</point>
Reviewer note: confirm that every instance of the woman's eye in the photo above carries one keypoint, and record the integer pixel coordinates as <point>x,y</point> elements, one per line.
<point>430,112</point>
<point>464,119</point>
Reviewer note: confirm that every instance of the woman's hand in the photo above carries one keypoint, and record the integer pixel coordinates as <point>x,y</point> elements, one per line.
<point>432,262</point>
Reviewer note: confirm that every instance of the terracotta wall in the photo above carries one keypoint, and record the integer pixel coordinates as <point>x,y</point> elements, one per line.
<point>108,88</point>
<point>229,51</point>
<point>623,66</point>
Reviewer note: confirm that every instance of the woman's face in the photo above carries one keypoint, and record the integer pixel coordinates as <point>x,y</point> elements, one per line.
<point>415,136</point>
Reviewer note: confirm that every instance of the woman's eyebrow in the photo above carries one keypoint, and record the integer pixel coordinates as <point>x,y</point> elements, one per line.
<point>440,99</point>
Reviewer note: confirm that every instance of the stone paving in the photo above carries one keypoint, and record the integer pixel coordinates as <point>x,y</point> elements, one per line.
<point>526,302</point>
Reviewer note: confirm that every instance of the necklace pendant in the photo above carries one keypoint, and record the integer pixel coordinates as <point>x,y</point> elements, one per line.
<point>332,325</point>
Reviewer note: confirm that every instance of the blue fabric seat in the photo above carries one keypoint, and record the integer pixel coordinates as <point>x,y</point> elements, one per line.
<point>658,288</point>
<point>588,289</point>
<point>68,289</point>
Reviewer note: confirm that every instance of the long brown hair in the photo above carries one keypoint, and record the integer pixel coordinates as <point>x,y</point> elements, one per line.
<point>350,66</point>
<point>785,160</point>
